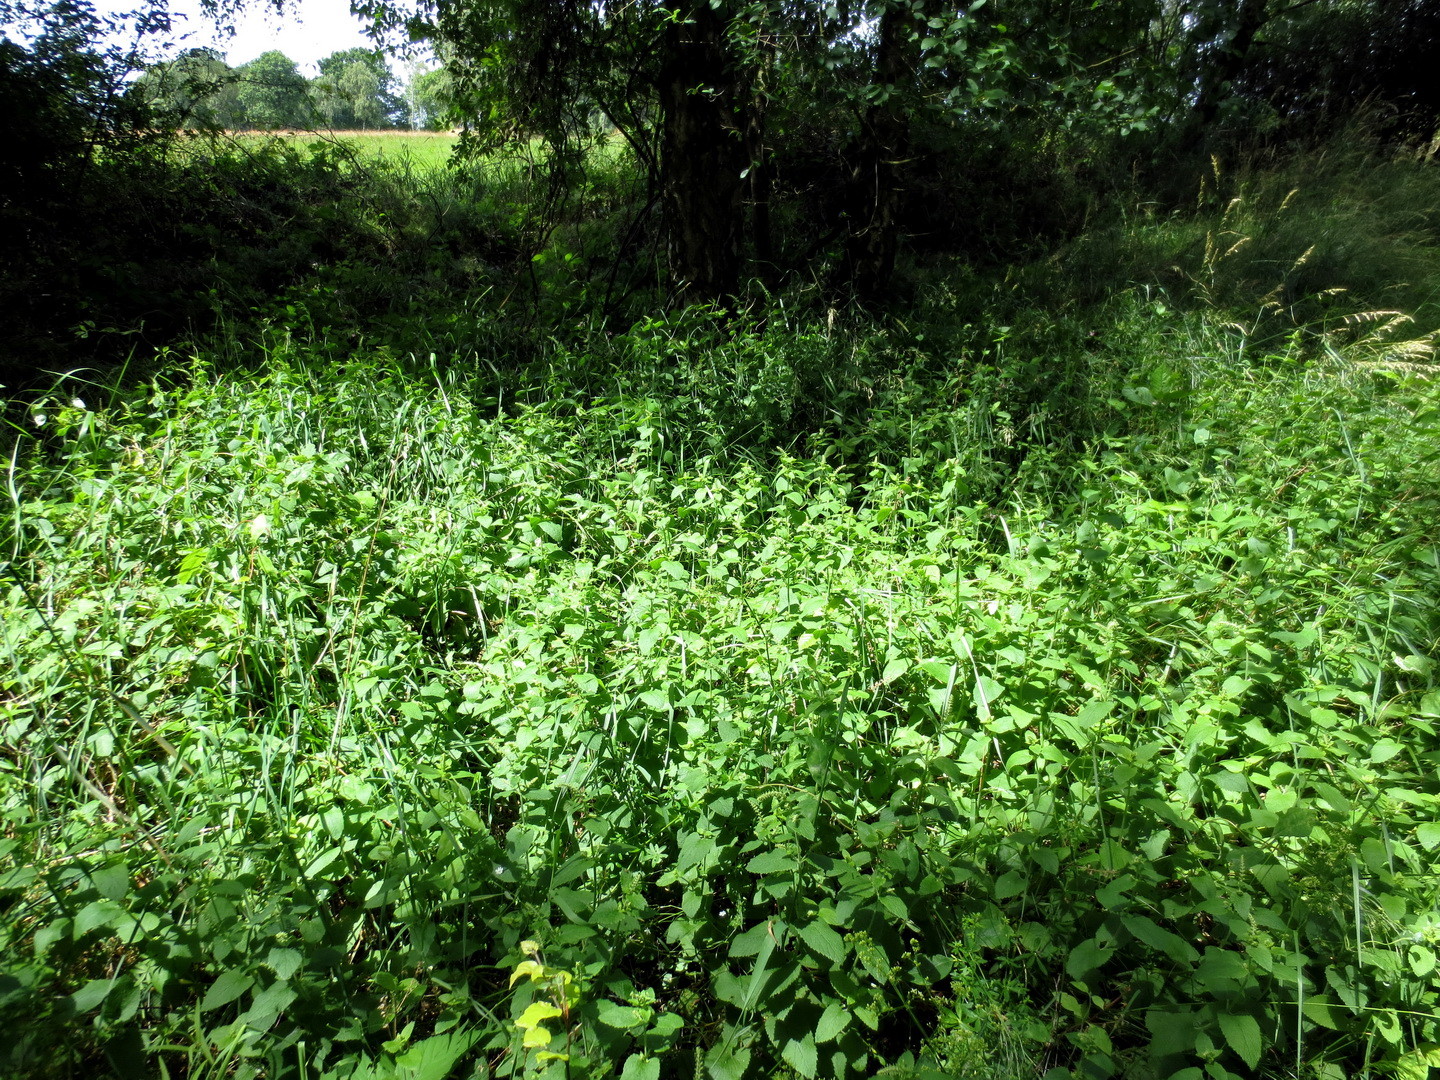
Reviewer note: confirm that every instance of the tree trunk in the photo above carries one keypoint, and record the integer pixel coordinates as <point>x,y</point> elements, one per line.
<point>875,188</point>
<point>702,158</point>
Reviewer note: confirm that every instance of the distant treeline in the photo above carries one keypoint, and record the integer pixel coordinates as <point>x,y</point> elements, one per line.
<point>355,90</point>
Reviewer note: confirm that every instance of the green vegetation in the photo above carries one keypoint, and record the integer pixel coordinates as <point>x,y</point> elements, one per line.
<point>995,636</point>
<point>423,149</point>
<point>841,696</point>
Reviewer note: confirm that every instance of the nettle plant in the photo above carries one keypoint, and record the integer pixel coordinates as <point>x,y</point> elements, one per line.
<point>380,722</point>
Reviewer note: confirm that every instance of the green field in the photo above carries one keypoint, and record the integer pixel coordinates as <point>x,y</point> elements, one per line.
<point>426,149</point>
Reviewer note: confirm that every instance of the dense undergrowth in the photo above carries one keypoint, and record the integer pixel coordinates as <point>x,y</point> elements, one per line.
<point>1041,681</point>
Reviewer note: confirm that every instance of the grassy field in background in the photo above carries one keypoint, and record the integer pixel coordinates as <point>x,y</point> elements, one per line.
<point>427,149</point>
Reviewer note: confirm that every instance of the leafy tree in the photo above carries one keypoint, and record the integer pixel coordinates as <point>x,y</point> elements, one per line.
<point>356,90</point>
<point>711,94</point>
<point>77,148</point>
<point>273,93</point>
<point>428,97</point>
<point>197,88</point>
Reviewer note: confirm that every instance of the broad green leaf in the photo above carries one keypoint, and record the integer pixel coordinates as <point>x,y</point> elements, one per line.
<point>95,915</point>
<point>894,669</point>
<point>229,986</point>
<point>92,994</point>
<point>435,1058</point>
<point>267,1005</point>
<point>112,881</point>
<point>1384,750</point>
<point>1011,884</point>
<point>727,1062</point>
<point>620,1016</point>
<point>640,1067</point>
<point>833,1021</point>
<point>283,962</point>
<point>665,1025</point>
<point>1417,1063</point>
<point>1422,960</point>
<point>1242,1033</point>
<point>776,861</point>
<point>1087,957</point>
<point>800,1054</point>
<point>824,941</point>
<point>1157,937</point>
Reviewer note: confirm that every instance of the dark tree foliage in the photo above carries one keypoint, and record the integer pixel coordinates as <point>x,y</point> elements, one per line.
<point>1322,62</point>
<point>75,146</point>
<point>727,105</point>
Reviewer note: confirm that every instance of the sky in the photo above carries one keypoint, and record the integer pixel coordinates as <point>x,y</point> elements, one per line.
<point>308,31</point>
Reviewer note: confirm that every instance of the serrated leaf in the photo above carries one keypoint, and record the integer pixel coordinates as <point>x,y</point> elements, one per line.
<point>1087,957</point>
<point>96,914</point>
<point>1242,1034</point>
<point>1422,960</point>
<point>229,986</point>
<point>1157,937</point>
<point>1429,835</point>
<point>801,1055</point>
<point>1011,884</point>
<point>775,861</point>
<point>268,1004</point>
<point>1384,750</point>
<point>640,1067</point>
<point>665,1025</point>
<point>112,881</point>
<point>619,1016</point>
<point>833,1021</point>
<point>1416,1064</point>
<point>894,669</point>
<point>1321,1010</point>
<point>824,941</point>
<point>283,962</point>
<point>725,1062</point>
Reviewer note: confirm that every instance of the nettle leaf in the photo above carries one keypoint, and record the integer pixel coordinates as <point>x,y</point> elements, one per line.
<point>801,1054</point>
<point>1242,1034</point>
<point>434,1058</point>
<point>621,1016</point>
<point>92,994</point>
<point>1157,937</point>
<point>229,986</point>
<point>284,962</point>
<point>640,1067</point>
<point>1422,960</point>
<point>1416,1064</point>
<point>776,861</point>
<point>833,1021</point>
<point>1088,956</point>
<point>112,881</point>
<point>727,1062</point>
<point>1011,884</point>
<point>1172,1032</point>
<point>824,941</point>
